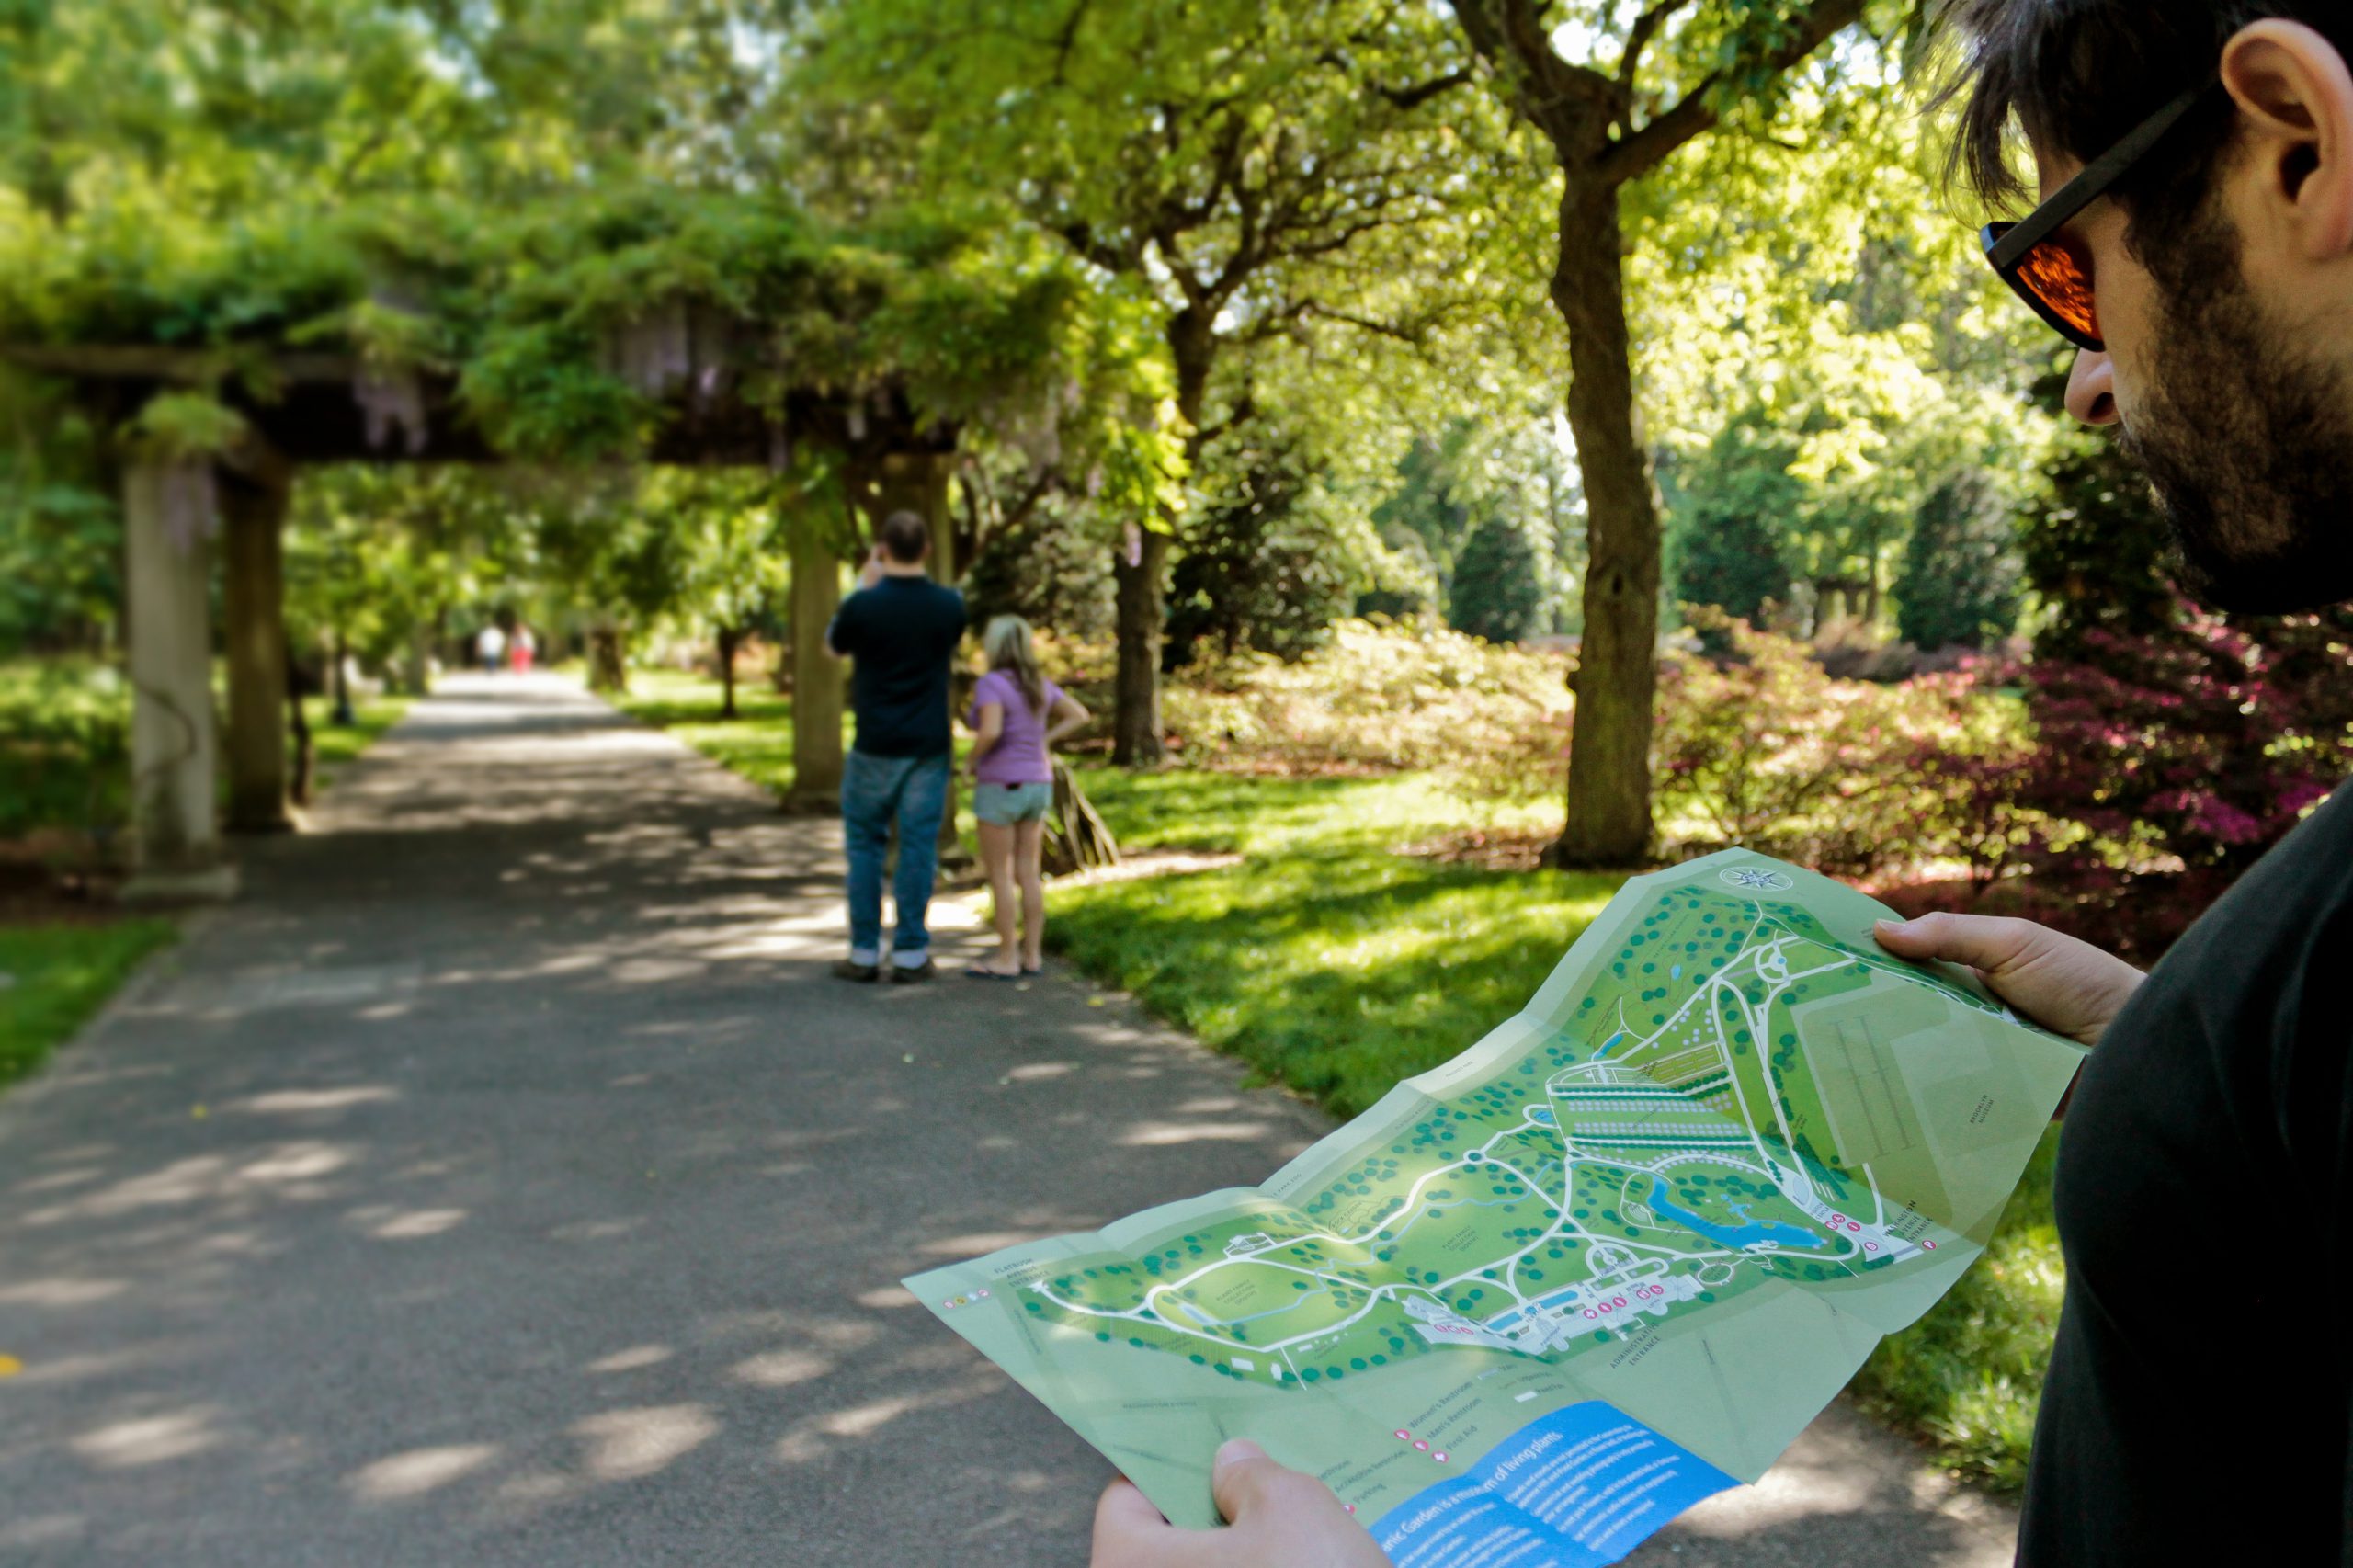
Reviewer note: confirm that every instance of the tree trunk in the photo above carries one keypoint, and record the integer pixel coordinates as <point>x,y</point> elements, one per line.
<point>816,675</point>
<point>607,659</point>
<point>343,717</point>
<point>254,601</point>
<point>1609,772</point>
<point>1143,625</point>
<point>1141,586</point>
<point>298,731</point>
<point>727,639</point>
<point>418,676</point>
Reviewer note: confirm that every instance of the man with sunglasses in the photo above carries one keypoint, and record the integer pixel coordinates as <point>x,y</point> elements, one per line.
<point>2196,245</point>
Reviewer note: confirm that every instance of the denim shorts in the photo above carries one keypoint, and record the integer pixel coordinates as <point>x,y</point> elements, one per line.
<point>1006,804</point>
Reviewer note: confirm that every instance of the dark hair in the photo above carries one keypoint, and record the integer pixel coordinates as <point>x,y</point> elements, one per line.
<point>904,536</point>
<point>2076,76</point>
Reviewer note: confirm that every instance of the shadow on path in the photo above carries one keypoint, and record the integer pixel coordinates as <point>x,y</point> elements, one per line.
<point>506,1181</point>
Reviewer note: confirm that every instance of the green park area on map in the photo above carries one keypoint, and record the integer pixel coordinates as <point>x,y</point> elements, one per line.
<point>1729,1145</point>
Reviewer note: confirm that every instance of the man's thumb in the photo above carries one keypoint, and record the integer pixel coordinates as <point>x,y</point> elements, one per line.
<point>1240,1477</point>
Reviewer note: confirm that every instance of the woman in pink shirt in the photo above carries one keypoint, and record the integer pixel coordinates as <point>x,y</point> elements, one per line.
<point>1018,715</point>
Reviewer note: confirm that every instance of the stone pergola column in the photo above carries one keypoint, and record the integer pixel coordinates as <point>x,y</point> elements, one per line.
<point>254,598</point>
<point>169,516</point>
<point>817,687</point>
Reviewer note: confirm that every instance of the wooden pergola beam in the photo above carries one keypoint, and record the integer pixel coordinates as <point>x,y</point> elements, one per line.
<point>318,409</point>
<point>184,367</point>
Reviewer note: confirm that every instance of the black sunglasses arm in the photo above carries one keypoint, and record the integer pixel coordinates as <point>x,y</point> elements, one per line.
<point>2092,182</point>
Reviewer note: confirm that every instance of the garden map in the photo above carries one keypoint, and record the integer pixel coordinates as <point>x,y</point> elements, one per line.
<point>1616,1256</point>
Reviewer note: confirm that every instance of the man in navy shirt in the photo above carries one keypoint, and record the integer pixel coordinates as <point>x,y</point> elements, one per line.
<point>900,630</point>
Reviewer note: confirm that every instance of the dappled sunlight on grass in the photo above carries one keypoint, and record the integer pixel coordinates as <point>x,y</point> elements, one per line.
<point>1325,960</point>
<point>1248,815</point>
<point>757,742</point>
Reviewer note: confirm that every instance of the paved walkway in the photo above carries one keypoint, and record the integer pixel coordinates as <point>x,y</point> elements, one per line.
<point>505,1182</point>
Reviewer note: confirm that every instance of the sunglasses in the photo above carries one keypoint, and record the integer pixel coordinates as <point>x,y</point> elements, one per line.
<point>2052,273</point>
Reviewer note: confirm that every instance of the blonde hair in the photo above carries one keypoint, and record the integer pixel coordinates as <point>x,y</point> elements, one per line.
<point>1007,643</point>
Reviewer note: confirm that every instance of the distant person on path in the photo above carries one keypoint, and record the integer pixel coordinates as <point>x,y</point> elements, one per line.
<point>526,650</point>
<point>2195,243</point>
<point>1016,716</point>
<point>900,628</point>
<point>489,648</point>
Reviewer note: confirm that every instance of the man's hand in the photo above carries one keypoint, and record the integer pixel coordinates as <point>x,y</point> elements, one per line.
<point>2069,987</point>
<point>871,572</point>
<point>1280,1520</point>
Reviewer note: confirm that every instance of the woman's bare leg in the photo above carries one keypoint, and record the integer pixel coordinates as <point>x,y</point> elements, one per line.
<point>1030,844</point>
<point>997,854</point>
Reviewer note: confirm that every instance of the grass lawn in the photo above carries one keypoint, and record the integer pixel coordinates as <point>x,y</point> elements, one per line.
<point>1332,964</point>
<point>332,745</point>
<point>758,744</point>
<point>1324,959</point>
<point>53,977</point>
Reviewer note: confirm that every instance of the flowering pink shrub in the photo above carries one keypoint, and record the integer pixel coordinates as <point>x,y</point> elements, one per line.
<point>2167,764</point>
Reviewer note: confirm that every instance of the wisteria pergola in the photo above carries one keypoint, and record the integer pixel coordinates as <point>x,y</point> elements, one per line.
<point>732,334</point>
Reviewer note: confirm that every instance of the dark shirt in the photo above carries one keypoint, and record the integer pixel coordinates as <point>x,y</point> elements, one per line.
<point>2196,1406</point>
<point>902,633</point>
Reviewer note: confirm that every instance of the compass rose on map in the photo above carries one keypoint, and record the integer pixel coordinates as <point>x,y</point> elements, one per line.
<point>1752,877</point>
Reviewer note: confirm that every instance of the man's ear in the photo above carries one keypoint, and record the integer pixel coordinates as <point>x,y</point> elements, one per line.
<point>2296,95</point>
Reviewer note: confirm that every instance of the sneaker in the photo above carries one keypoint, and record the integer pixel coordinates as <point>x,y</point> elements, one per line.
<point>902,975</point>
<point>860,973</point>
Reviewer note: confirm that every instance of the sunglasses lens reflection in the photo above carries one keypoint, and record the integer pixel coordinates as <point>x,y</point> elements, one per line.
<point>2059,279</point>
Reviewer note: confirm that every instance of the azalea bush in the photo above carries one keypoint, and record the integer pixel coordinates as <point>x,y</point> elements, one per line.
<point>2113,794</point>
<point>1760,746</point>
<point>2168,763</point>
<point>1381,698</point>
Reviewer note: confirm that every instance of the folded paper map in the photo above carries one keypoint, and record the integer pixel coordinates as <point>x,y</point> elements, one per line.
<point>1608,1262</point>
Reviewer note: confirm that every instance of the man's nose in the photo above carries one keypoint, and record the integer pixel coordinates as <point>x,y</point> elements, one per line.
<point>2091,388</point>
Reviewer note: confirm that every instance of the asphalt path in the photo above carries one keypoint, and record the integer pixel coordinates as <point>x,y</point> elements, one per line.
<point>503,1180</point>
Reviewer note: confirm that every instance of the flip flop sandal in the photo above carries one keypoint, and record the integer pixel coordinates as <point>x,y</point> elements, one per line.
<point>977,972</point>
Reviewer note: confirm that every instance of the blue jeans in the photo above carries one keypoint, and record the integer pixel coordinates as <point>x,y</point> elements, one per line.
<point>877,790</point>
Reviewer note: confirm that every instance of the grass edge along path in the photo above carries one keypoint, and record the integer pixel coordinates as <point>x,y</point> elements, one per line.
<point>1336,967</point>
<point>333,746</point>
<point>56,976</point>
